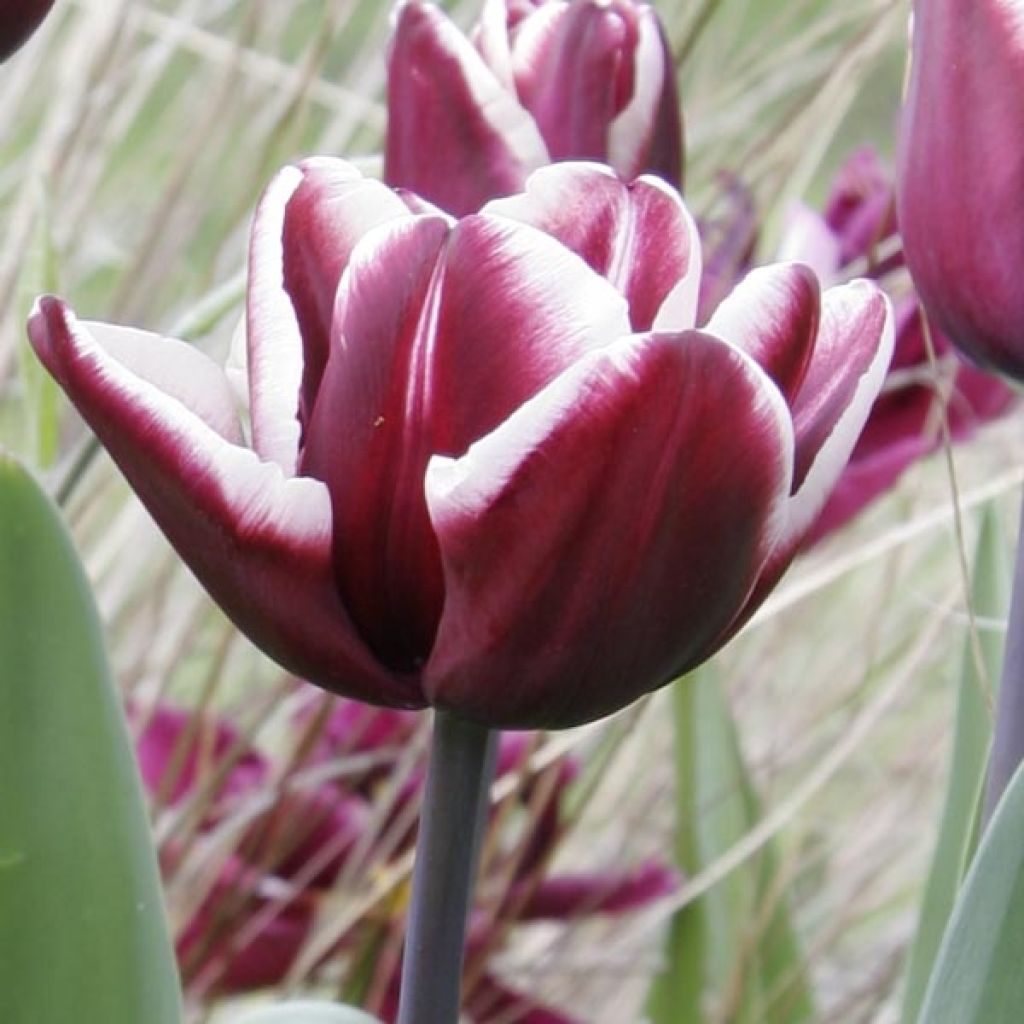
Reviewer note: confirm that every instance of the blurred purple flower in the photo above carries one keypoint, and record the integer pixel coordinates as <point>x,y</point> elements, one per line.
<point>255,918</point>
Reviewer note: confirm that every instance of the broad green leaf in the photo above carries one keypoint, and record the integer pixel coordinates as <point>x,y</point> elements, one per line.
<point>733,948</point>
<point>83,936</point>
<point>977,977</point>
<point>304,1013</point>
<point>990,597</point>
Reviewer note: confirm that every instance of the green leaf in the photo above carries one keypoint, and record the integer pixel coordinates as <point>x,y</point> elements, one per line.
<point>40,273</point>
<point>733,948</point>
<point>83,936</point>
<point>304,1013</point>
<point>978,977</point>
<point>990,597</point>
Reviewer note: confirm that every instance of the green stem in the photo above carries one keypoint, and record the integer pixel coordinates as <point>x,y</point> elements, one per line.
<point>462,758</point>
<point>1008,741</point>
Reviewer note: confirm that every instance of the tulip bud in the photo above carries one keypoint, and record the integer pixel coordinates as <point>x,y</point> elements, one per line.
<point>18,20</point>
<point>961,188</point>
<point>536,82</point>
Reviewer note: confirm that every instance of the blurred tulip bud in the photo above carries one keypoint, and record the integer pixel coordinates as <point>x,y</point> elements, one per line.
<point>961,174</point>
<point>18,20</point>
<point>538,81</point>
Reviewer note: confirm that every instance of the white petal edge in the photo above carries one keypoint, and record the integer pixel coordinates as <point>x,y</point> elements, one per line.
<point>275,358</point>
<point>804,506</point>
<point>490,462</point>
<point>174,368</point>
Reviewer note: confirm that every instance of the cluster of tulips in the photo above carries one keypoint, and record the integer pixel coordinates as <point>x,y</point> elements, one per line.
<point>499,447</point>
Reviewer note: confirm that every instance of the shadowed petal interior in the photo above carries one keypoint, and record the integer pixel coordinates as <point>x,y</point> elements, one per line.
<point>442,334</point>
<point>639,236</point>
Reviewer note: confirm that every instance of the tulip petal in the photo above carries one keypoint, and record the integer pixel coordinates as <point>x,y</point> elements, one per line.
<point>176,368</point>
<point>772,315</point>
<point>851,356</point>
<point>648,134</point>
<point>961,175</point>
<point>442,334</point>
<point>273,357</point>
<point>560,609</point>
<point>639,236</point>
<point>258,541</point>
<point>305,228</point>
<point>443,99</point>
<point>577,895</point>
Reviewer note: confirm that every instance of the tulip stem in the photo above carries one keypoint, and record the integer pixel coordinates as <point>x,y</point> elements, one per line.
<point>462,759</point>
<point>1008,741</point>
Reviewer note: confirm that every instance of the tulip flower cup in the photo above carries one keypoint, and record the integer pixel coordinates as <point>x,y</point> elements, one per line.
<point>492,466</point>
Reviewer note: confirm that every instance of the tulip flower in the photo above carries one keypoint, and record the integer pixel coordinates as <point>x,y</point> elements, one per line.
<point>18,20</point>
<point>859,226</point>
<point>537,81</point>
<point>961,174</point>
<point>961,182</point>
<point>252,924</point>
<point>493,466</point>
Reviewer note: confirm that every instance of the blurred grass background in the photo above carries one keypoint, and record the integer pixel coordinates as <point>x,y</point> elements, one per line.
<point>135,138</point>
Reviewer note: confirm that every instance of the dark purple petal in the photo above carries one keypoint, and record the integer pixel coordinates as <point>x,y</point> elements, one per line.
<point>639,236</point>
<point>258,541</point>
<point>441,335</point>
<point>689,446</point>
<point>961,175</point>
<point>772,315</point>
<point>565,896</point>
<point>455,134</point>
<point>18,20</point>
<point>305,228</point>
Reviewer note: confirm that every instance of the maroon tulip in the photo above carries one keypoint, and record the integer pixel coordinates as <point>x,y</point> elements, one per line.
<point>961,174</point>
<point>541,81</point>
<point>487,474</point>
<point>18,20</point>
<point>252,924</point>
<point>860,225</point>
